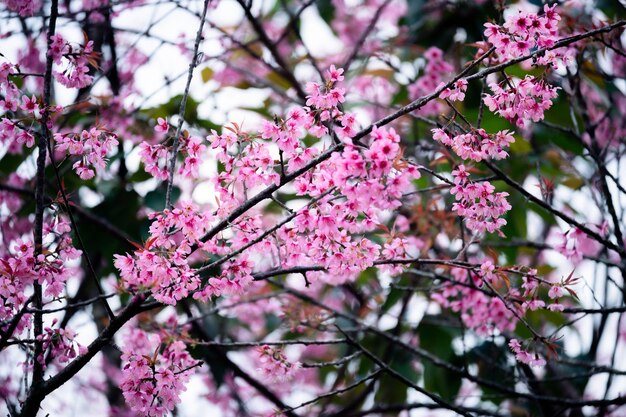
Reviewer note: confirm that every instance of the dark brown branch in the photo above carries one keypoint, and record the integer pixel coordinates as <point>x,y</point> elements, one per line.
<point>368,30</point>
<point>30,408</point>
<point>267,42</point>
<point>595,235</point>
<point>395,374</point>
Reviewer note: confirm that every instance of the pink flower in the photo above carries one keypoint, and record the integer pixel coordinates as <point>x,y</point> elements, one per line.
<point>457,93</point>
<point>334,74</point>
<point>275,366</point>
<point>524,356</point>
<point>24,7</point>
<point>525,102</point>
<point>93,146</point>
<point>29,104</point>
<point>556,291</point>
<point>162,126</point>
<point>152,381</point>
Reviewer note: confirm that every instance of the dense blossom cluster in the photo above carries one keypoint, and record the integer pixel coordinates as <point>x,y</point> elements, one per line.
<point>478,202</point>
<point>155,156</point>
<point>154,373</point>
<point>74,60</point>
<point>521,100</point>
<point>369,181</point>
<point>523,32</point>
<point>435,72</point>
<point>477,144</point>
<point>92,146</point>
<point>20,269</point>
<point>484,314</point>
<point>15,135</point>
<point>59,344</point>
<point>274,365</point>
<point>352,188</point>
<point>525,356</point>
<point>24,7</point>
<point>235,279</point>
<point>161,265</point>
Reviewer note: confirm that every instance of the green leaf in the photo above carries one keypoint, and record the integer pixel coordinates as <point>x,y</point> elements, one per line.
<point>437,339</point>
<point>9,162</point>
<point>573,181</point>
<point>277,79</point>
<point>119,208</point>
<point>156,199</point>
<point>206,74</point>
<point>493,365</point>
<point>172,107</point>
<point>520,147</point>
<point>140,175</point>
<point>326,10</point>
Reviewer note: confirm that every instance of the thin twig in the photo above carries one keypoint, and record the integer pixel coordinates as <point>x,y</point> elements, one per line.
<point>183,106</point>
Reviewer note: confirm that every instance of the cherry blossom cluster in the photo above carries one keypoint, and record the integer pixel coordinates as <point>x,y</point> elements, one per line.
<point>574,244</point>
<point>247,164</point>
<point>9,100</point>
<point>351,190</point>
<point>247,161</point>
<point>192,149</point>
<point>488,314</point>
<point>352,20</point>
<point>14,137</point>
<point>521,100</point>
<point>274,365</point>
<point>155,372</point>
<point>477,144</point>
<point>60,344</point>
<point>483,313</point>
<point>91,145</point>
<point>155,157</point>
<point>75,60</point>
<point>523,32</point>
<point>456,93</point>
<point>530,285</point>
<point>556,291</point>
<point>478,202</point>
<point>20,269</point>
<point>23,7</point>
<point>524,356</point>
<point>435,72</point>
<point>13,227</point>
<point>495,277</point>
<point>235,279</point>
<point>14,134</point>
<point>324,101</point>
<point>369,181</point>
<point>161,265</point>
